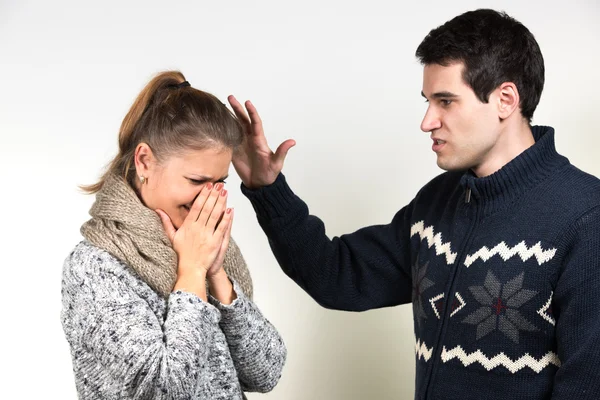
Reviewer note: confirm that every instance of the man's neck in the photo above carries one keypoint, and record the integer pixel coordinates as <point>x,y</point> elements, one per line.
<point>512,141</point>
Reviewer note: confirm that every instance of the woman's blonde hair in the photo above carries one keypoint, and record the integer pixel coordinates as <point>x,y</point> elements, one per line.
<point>170,116</point>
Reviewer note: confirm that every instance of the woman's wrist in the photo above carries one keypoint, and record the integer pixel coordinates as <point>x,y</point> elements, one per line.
<point>221,287</point>
<point>192,282</point>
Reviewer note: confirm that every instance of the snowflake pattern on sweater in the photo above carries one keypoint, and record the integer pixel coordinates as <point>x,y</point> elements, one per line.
<point>503,273</point>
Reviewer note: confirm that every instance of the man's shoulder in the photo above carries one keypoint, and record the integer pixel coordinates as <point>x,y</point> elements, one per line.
<point>577,186</point>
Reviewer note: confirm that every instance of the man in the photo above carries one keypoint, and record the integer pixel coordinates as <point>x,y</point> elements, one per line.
<point>500,255</point>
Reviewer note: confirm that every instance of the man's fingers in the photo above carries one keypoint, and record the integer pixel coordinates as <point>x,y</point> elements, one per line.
<point>240,113</point>
<point>282,150</point>
<point>255,120</point>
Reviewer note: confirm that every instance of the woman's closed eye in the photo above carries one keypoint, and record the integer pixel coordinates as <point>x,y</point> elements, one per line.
<point>204,181</point>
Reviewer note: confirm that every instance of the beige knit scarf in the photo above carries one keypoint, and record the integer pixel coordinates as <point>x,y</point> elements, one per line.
<point>134,234</point>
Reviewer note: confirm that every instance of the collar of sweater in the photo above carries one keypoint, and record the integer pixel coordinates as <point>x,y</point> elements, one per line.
<point>518,176</point>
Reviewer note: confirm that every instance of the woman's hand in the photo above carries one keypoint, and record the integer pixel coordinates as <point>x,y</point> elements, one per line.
<point>202,240</point>
<point>217,265</point>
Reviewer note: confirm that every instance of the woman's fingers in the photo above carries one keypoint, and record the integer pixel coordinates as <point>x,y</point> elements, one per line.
<point>227,235</point>
<point>167,224</point>
<point>199,203</point>
<point>209,204</point>
<point>217,211</point>
<point>224,227</point>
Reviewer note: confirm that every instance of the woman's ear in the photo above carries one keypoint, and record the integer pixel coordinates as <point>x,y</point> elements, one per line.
<point>144,162</point>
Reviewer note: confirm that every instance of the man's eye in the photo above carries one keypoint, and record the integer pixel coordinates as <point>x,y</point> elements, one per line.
<point>446,102</point>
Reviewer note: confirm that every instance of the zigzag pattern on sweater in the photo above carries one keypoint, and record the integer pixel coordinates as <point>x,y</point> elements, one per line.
<point>427,232</point>
<point>423,351</point>
<point>500,360</point>
<point>507,252</point>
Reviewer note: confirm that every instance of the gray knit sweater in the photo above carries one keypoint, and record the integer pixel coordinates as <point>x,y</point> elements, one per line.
<point>127,342</point>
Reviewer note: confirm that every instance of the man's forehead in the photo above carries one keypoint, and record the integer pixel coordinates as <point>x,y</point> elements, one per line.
<point>443,79</point>
<point>443,71</point>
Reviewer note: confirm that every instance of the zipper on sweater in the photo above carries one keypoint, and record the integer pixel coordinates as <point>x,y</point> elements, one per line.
<point>448,304</point>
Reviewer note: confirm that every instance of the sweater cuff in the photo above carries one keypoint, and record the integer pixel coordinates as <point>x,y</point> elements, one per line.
<point>188,303</point>
<point>236,304</point>
<point>235,316</point>
<point>271,201</point>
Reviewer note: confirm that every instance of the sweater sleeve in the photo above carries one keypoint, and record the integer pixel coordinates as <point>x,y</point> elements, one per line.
<point>367,269</point>
<point>257,350</point>
<point>149,360</point>
<point>577,310</point>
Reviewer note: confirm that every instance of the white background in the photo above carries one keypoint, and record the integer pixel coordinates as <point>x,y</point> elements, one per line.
<point>340,77</point>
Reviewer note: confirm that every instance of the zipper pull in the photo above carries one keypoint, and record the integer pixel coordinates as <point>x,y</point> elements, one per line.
<point>468,195</point>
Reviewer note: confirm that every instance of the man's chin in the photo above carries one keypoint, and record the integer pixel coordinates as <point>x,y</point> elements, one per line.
<point>450,167</point>
<point>444,165</point>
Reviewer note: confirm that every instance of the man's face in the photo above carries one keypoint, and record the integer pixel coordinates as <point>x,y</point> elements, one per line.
<point>464,130</point>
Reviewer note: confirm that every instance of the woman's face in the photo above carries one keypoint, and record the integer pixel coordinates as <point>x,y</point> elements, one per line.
<point>173,184</point>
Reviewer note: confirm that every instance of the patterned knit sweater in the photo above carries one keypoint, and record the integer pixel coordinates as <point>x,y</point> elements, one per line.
<point>503,273</point>
<point>127,342</point>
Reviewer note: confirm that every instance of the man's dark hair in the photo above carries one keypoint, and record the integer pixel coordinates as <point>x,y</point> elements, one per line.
<point>494,48</point>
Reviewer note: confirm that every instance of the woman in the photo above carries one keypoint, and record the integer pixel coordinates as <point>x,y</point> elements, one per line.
<point>148,307</point>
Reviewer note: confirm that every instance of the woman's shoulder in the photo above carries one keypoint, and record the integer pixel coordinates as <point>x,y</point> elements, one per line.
<point>87,264</point>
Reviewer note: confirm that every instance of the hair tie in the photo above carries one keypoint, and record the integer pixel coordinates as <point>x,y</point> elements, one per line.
<point>179,86</point>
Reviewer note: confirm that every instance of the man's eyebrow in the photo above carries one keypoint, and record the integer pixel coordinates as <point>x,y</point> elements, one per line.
<point>439,95</point>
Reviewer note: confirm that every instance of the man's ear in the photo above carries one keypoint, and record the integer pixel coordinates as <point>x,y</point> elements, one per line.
<point>508,100</point>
